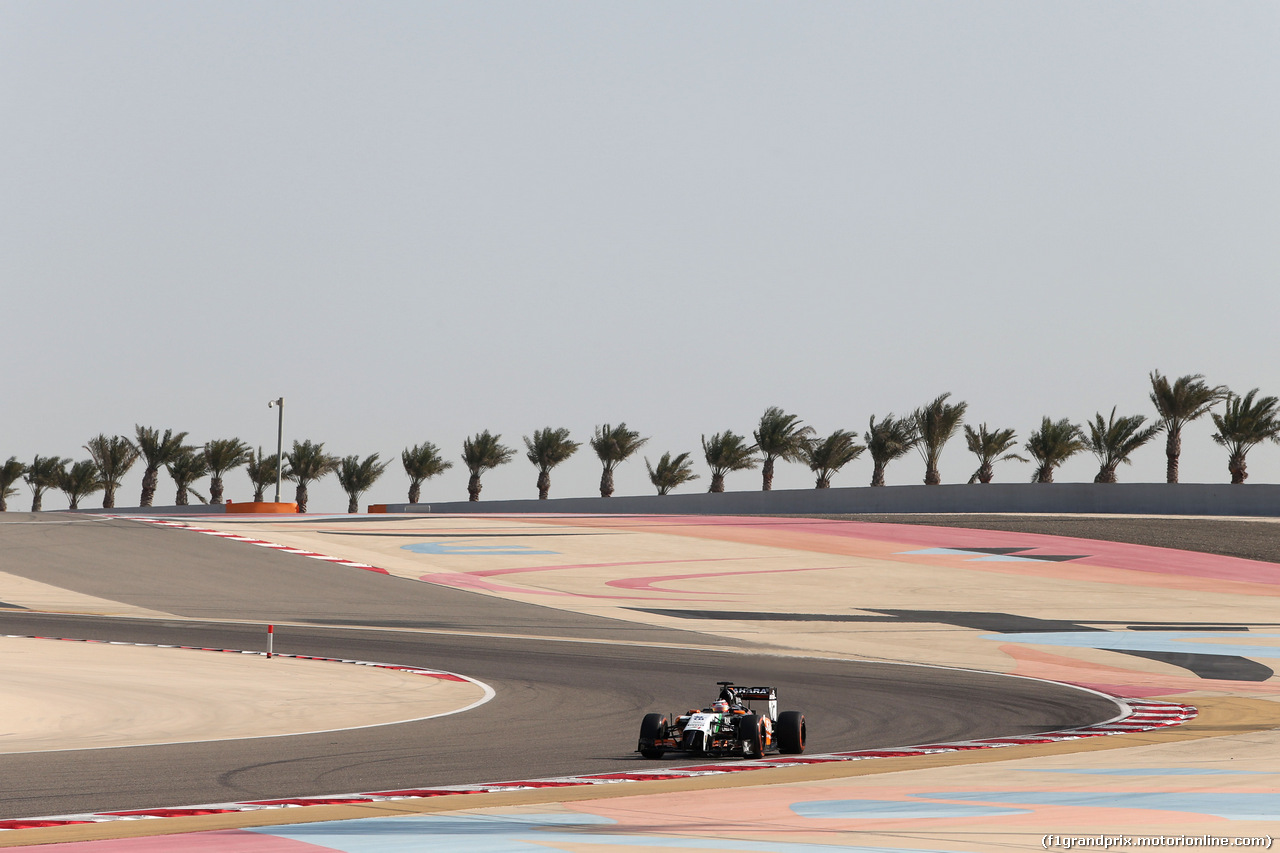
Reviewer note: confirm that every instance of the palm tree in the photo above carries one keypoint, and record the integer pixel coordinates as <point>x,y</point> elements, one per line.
<point>1179,404</point>
<point>357,476</point>
<point>44,473</point>
<point>988,446</point>
<point>936,422</point>
<point>262,473</point>
<point>614,445</point>
<point>10,472</point>
<point>779,436</point>
<point>114,457</point>
<point>480,453</point>
<point>158,450</point>
<point>727,451</point>
<point>888,440</point>
<point>547,449</point>
<point>1114,440</point>
<point>307,462</point>
<point>221,455</point>
<point>1051,445</point>
<point>187,467</point>
<point>81,481</point>
<point>1243,424</point>
<point>422,462</point>
<point>825,457</point>
<point>671,473</point>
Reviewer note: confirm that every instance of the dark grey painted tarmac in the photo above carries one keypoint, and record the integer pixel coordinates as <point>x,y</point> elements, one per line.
<point>1250,540</point>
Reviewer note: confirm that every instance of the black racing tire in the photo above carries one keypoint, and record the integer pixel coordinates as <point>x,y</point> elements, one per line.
<point>751,733</point>
<point>653,729</point>
<point>791,732</point>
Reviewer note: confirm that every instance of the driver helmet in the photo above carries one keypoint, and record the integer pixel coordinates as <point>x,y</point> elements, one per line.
<point>720,706</point>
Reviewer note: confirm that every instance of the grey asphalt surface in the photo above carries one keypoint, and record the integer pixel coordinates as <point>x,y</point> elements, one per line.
<point>1231,537</point>
<point>561,707</point>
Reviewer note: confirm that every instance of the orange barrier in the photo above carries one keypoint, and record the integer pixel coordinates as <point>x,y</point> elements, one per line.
<point>261,507</point>
<point>377,507</point>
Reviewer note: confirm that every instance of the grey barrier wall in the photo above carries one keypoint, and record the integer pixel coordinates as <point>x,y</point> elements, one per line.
<point>194,509</point>
<point>1119,498</point>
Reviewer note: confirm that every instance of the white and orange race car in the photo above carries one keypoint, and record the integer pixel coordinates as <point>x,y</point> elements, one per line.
<point>742,721</point>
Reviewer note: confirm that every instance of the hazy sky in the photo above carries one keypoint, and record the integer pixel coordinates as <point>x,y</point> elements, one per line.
<point>420,220</point>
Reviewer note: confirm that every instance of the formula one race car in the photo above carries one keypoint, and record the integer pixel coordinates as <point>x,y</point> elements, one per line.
<point>732,725</point>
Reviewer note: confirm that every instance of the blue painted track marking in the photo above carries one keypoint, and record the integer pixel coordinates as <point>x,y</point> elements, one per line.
<point>1183,642</point>
<point>1232,806</point>
<point>459,549</point>
<point>525,833</point>
<point>895,810</point>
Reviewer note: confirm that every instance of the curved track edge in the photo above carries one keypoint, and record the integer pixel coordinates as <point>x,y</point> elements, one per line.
<point>1139,715</point>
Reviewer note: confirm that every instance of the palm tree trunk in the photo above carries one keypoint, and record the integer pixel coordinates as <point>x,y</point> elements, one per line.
<point>473,488</point>
<point>4,504</point>
<point>415,492</point>
<point>300,496</point>
<point>931,475</point>
<point>767,474</point>
<point>985,472</point>
<point>1044,474</point>
<point>877,474</point>
<point>149,481</point>
<point>37,500</point>
<point>544,485</point>
<point>1105,475</point>
<point>1237,468</point>
<point>823,482</point>
<point>353,504</point>
<point>109,496</point>
<point>180,499</point>
<point>1172,450</point>
<point>717,483</point>
<point>258,490</point>
<point>606,483</point>
<point>215,489</point>
<point>75,502</point>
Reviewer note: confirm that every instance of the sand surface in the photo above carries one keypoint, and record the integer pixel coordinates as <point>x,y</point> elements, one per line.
<point>73,695</point>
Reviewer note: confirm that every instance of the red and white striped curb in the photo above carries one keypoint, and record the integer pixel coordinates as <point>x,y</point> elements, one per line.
<point>236,537</point>
<point>1141,716</point>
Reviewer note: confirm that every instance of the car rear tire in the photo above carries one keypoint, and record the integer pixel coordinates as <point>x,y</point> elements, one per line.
<point>791,732</point>
<point>652,731</point>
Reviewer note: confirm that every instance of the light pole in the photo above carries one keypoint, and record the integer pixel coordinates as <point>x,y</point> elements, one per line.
<point>279,404</point>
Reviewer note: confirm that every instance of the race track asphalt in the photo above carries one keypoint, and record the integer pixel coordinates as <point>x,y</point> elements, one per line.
<point>569,703</point>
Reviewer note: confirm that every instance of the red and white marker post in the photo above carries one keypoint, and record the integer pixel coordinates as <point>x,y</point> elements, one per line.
<point>271,638</point>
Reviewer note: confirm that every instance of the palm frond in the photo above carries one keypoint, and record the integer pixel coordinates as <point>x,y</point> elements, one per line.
<point>484,451</point>
<point>780,435</point>
<point>825,457</point>
<point>549,447</point>
<point>671,472</point>
<point>615,444</point>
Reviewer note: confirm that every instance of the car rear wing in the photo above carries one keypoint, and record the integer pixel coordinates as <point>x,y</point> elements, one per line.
<point>767,694</point>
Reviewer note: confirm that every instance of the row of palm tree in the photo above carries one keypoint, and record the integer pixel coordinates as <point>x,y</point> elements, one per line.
<point>1244,422</point>
<point>111,458</point>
